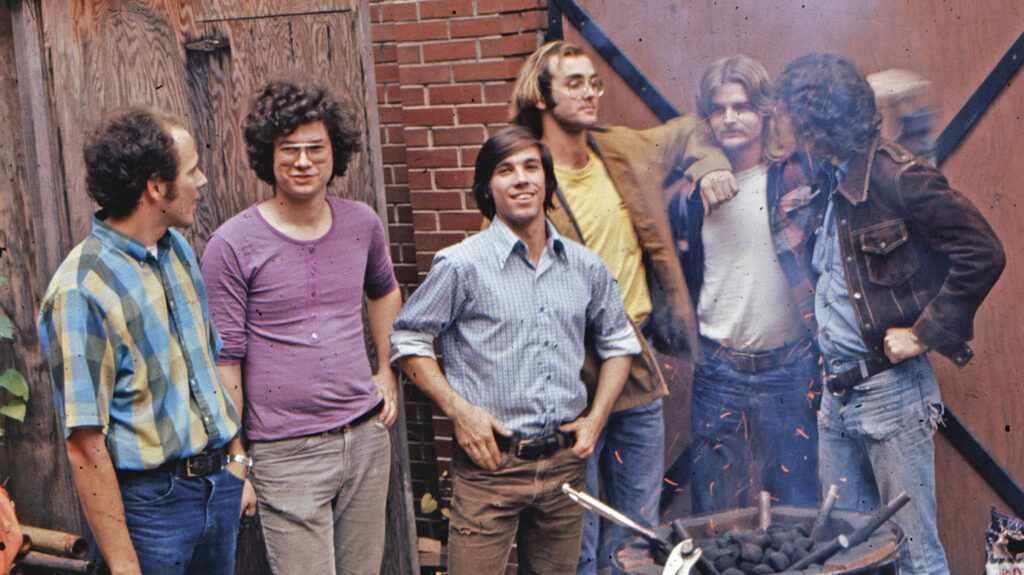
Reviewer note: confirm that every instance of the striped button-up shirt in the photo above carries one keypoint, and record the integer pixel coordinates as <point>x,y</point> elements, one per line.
<point>131,349</point>
<point>512,334</point>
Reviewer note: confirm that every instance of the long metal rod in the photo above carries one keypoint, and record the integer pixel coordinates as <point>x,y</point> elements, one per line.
<point>591,503</point>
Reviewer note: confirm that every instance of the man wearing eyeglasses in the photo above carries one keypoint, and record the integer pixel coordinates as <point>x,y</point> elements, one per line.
<point>286,280</point>
<point>610,199</point>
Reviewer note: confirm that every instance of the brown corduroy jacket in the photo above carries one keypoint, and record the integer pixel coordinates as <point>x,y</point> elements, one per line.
<point>638,162</point>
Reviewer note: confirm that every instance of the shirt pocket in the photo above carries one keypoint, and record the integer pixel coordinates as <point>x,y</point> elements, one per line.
<point>888,253</point>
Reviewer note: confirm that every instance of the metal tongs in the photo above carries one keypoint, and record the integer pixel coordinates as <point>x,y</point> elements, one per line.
<point>681,558</point>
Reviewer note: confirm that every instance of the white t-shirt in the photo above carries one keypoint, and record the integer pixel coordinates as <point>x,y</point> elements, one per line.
<point>745,301</point>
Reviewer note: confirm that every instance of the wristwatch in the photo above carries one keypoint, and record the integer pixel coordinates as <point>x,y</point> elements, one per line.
<point>236,458</point>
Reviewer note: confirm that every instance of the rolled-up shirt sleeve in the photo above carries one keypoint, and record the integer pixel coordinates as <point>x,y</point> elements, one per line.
<point>614,334</point>
<point>429,311</point>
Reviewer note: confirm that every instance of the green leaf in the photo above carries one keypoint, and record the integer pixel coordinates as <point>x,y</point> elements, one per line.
<point>6,327</point>
<point>15,409</point>
<point>12,381</point>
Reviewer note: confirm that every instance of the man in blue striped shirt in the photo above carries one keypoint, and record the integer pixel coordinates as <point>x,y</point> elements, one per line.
<point>125,328</point>
<point>512,308</point>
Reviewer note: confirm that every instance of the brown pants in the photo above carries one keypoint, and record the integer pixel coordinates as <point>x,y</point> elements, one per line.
<point>521,499</point>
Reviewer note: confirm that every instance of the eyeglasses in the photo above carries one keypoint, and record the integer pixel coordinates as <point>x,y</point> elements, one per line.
<point>577,87</point>
<point>317,153</point>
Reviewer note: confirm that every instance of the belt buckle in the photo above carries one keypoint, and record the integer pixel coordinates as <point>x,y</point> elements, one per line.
<point>829,378</point>
<point>200,465</point>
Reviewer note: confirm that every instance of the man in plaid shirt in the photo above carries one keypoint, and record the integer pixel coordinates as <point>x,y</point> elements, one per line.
<point>125,328</point>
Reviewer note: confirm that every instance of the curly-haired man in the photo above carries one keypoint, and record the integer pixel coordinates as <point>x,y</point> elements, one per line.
<point>901,262</point>
<point>125,328</point>
<point>287,278</point>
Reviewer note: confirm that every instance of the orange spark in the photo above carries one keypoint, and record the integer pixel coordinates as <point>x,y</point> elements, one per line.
<point>801,433</point>
<point>784,468</point>
<point>725,414</point>
<point>670,482</point>
<point>617,456</point>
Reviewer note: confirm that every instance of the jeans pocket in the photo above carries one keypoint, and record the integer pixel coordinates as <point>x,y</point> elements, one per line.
<point>148,489</point>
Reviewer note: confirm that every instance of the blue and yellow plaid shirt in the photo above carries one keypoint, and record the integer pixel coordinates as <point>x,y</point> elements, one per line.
<point>131,349</point>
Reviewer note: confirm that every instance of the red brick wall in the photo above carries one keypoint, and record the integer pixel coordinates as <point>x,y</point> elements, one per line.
<point>444,72</point>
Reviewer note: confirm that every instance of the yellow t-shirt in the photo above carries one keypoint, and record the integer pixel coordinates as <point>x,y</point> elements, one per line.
<point>608,230</point>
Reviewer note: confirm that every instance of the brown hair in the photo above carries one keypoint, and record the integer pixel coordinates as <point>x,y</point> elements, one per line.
<point>534,83</point>
<point>494,151</point>
<point>749,73</point>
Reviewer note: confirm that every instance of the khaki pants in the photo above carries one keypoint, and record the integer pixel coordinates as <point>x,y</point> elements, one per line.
<point>521,499</point>
<point>322,500</point>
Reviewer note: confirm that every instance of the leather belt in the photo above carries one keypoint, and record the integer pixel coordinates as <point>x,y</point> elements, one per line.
<point>536,447</point>
<point>756,361</point>
<point>205,463</point>
<point>359,420</point>
<point>839,384</point>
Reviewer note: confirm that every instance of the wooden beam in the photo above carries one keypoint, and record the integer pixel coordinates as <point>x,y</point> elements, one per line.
<point>46,183</point>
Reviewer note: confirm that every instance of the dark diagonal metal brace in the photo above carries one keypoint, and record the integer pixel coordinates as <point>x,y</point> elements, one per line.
<point>961,125</point>
<point>618,61</point>
<point>953,429</point>
<point>983,462</point>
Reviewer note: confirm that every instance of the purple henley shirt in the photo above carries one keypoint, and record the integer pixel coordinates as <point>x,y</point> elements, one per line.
<point>290,312</point>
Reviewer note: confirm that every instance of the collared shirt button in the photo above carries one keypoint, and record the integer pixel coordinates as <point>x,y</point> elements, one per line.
<point>312,272</point>
<point>546,342</point>
<point>882,244</point>
<point>867,326</point>
<point>315,336</point>
<point>548,377</point>
<point>842,222</point>
<point>849,259</point>
<point>314,314</point>
<point>856,295</point>
<point>311,249</point>
<point>541,308</point>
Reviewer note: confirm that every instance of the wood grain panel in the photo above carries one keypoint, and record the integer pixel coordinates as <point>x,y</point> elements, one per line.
<point>32,463</point>
<point>953,43</point>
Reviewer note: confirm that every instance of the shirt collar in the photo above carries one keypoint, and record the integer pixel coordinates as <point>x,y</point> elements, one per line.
<point>127,244</point>
<point>856,175</point>
<point>506,242</point>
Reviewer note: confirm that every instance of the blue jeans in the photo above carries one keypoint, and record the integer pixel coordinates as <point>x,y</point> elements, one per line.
<point>183,525</point>
<point>629,461</point>
<point>753,432</point>
<point>877,443</point>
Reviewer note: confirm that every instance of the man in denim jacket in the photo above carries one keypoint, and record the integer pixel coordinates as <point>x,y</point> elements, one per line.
<point>900,262</point>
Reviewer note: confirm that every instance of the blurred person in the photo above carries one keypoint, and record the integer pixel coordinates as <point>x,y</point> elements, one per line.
<point>901,262</point>
<point>753,418</point>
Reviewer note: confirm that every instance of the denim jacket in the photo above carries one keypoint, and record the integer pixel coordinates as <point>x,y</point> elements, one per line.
<point>916,252</point>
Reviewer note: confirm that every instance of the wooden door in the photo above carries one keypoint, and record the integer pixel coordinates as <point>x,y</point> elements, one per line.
<point>204,61</point>
<point>955,44</point>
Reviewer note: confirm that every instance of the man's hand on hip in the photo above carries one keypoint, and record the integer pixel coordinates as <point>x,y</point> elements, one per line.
<point>901,344</point>
<point>474,430</point>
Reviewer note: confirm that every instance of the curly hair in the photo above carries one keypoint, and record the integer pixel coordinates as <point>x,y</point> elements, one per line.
<point>494,151</point>
<point>830,104</point>
<point>534,83</point>
<point>284,105</point>
<point>123,153</point>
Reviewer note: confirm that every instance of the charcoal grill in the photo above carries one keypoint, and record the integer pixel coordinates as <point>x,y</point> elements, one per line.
<point>876,556</point>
